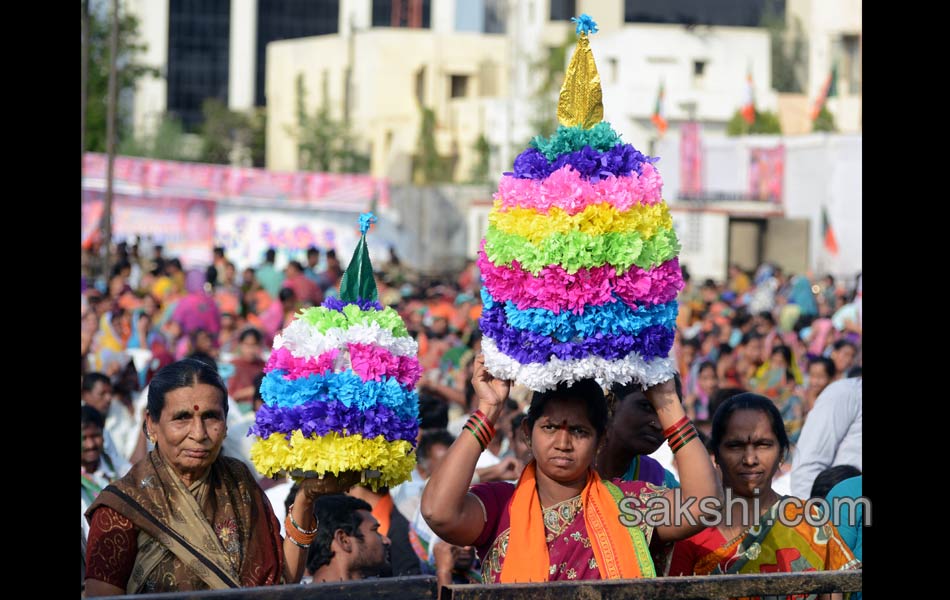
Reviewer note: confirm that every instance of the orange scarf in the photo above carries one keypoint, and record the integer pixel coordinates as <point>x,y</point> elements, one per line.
<point>383,512</point>
<point>610,540</point>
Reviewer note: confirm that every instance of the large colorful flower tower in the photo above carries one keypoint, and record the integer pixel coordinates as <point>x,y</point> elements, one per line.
<point>579,263</point>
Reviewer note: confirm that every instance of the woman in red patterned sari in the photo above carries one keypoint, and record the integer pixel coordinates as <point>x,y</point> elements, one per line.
<point>561,521</point>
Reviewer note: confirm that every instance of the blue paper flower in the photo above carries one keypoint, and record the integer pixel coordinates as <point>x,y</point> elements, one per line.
<point>366,219</point>
<point>585,24</point>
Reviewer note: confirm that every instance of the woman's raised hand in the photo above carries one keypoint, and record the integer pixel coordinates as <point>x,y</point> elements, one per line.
<point>491,393</point>
<point>662,395</point>
<point>313,487</point>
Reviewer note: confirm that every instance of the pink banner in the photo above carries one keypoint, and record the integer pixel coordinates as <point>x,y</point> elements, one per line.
<point>767,174</point>
<point>691,160</point>
<point>330,191</point>
<point>185,226</point>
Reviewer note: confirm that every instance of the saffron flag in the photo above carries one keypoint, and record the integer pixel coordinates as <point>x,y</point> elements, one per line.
<point>831,243</point>
<point>659,118</point>
<point>828,90</point>
<point>748,104</point>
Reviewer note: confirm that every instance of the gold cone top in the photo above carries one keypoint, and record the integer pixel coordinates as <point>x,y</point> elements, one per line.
<point>581,101</point>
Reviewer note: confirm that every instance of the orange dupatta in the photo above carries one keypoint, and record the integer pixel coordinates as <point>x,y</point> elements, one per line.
<point>383,512</point>
<point>610,540</point>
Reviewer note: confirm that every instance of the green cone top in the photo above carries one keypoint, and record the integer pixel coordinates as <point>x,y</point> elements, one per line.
<point>358,282</point>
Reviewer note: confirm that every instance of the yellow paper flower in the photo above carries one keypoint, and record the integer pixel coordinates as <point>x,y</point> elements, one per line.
<point>595,220</point>
<point>334,453</point>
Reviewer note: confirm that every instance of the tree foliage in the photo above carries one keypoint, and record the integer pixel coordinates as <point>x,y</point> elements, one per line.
<point>544,122</point>
<point>480,171</point>
<point>324,143</point>
<point>428,166</point>
<point>230,136</point>
<point>825,121</point>
<point>129,71</point>
<point>168,142</point>
<point>789,51</point>
<point>766,122</point>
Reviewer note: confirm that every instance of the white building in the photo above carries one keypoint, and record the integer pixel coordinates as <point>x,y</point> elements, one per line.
<point>703,70</point>
<point>818,173</point>
<point>833,36</point>
<point>395,72</point>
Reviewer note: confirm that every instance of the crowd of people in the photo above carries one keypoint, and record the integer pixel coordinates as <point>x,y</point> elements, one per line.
<point>767,404</point>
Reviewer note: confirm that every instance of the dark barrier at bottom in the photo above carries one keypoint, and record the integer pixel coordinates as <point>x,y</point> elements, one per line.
<point>394,588</point>
<point>716,587</point>
<point>713,587</point>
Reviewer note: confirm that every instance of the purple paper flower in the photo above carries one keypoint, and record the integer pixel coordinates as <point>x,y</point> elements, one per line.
<point>320,418</point>
<point>338,304</point>
<point>591,164</point>
<point>530,347</point>
<point>531,164</point>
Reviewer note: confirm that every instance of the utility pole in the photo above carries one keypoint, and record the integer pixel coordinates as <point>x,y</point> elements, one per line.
<point>110,137</point>
<point>84,81</point>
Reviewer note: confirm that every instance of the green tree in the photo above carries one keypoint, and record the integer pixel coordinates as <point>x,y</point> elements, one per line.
<point>825,121</point>
<point>224,132</point>
<point>428,166</point>
<point>323,143</point>
<point>766,122</point>
<point>788,50</point>
<point>480,172</point>
<point>257,145</point>
<point>168,142</point>
<point>545,97</point>
<point>129,71</point>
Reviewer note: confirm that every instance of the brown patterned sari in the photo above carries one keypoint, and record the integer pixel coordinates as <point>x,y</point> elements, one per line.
<point>219,533</point>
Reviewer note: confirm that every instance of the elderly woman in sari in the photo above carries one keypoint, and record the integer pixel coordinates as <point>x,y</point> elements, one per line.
<point>185,517</point>
<point>749,443</point>
<point>561,520</point>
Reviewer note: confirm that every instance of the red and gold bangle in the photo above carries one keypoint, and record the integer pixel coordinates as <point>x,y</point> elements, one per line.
<point>293,521</point>
<point>675,426</point>
<point>296,535</point>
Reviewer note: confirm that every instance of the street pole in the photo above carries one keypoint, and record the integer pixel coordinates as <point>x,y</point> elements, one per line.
<point>84,81</point>
<point>110,137</point>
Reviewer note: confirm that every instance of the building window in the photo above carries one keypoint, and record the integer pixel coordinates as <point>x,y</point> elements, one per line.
<point>413,14</point>
<point>699,72</point>
<point>289,19</point>
<point>736,13</point>
<point>198,41</point>
<point>494,16</point>
<point>459,86</point>
<point>563,10</point>
<point>613,69</point>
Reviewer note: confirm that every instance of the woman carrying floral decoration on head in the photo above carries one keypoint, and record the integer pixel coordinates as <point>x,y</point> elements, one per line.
<point>561,520</point>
